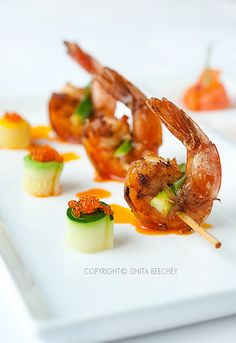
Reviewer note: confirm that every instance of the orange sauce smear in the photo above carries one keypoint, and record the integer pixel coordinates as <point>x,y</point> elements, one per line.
<point>123,215</point>
<point>70,156</point>
<point>98,192</point>
<point>154,232</point>
<point>206,225</point>
<point>99,178</point>
<point>41,132</point>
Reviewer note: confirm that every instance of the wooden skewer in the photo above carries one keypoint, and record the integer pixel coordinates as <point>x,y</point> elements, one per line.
<point>198,228</point>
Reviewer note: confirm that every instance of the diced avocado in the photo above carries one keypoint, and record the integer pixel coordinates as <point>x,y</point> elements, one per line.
<point>123,148</point>
<point>162,202</point>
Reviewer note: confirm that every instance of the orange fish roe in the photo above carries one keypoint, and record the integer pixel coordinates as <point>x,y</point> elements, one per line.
<point>45,153</point>
<point>88,204</point>
<point>12,116</point>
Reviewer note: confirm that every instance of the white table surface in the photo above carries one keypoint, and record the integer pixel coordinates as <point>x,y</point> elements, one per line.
<point>143,39</point>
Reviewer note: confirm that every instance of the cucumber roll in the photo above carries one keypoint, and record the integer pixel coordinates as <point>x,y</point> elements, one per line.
<point>42,170</point>
<point>90,225</point>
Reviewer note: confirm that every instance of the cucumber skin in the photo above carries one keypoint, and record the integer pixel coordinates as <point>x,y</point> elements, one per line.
<point>42,179</point>
<point>123,149</point>
<point>162,203</point>
<point>85,218</point>
<point>90,237</point>
<point>30,163</point>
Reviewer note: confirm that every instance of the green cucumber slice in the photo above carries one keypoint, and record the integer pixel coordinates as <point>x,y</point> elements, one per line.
<point>85,218</point>
<point>162,202</point>
<point>84,108</point>
<point>30,163</point>
<point>123,148</point>
<point>90,237</point>
<point>179,183</point>
<point>182,167</point>
<point>42,179</point>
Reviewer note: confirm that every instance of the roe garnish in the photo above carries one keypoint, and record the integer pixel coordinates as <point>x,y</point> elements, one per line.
<point>45,153</point>
<point>88,204</point>
<point>12,116</point>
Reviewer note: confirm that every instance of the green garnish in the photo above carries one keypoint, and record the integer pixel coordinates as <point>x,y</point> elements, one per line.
<point>178,184</point>
<point>207,74</point>
<point>124,148</point>
<point>164,201</point>
<point>84,108</point>
<point>182,167</point>
<point>85,218</point>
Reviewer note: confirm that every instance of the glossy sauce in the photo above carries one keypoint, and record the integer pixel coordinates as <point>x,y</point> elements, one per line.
<point>123,215</point>
<point>70,156</point>
<point>98,192</point>
<point>207,225</point>
<point>99,178</point>
<point>41,132</point>
<point>151,232</point>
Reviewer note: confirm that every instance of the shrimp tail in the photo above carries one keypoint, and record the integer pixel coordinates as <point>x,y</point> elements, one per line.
<point>86,61</point>
<point>146,126</point>
<point>178,122</point>
<point>120,88</point>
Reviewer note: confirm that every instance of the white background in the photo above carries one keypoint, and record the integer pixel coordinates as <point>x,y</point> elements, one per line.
<point>144,40</point>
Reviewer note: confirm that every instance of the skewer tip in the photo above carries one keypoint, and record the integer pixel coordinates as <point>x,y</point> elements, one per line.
<point>218,245</point>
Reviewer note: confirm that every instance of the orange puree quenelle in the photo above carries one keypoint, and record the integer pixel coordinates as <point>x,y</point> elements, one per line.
<point>208,93</point>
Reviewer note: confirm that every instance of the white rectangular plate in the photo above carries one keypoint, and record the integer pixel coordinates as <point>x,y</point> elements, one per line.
<point>68,298</point>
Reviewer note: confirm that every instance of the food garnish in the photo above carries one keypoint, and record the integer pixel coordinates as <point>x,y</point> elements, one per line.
<point>42,170</point>
<point>14,131</point>
<point>85,108</point>
<point>124,148</point>
<point>90,225</point>
<point>208,93</point>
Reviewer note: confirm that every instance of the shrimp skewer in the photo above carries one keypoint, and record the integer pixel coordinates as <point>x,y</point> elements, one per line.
<point>151,175</point>
<point>103,134</point>
<point>63,105</point>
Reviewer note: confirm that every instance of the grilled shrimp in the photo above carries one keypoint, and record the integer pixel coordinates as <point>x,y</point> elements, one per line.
<point>109,141</point>
<point>102,101</point>
<point>149,175</point>
<point>63,105</point>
